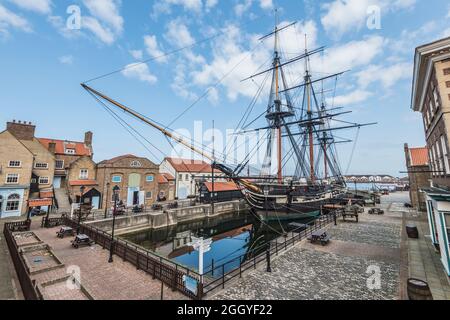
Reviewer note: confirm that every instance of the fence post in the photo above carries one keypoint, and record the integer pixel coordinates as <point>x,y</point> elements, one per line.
<point>137,260</point>
<point>240,267</point>
<point>223,276</point>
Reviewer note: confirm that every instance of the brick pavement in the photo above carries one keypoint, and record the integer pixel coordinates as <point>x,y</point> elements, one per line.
<point>103,281</point>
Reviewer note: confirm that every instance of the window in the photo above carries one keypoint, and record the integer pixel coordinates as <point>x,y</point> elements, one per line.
<point>41,165</point>
<point>149,195</point>
<point>446,71</point>
<point>70,151</point>
<point>59,164</point>
<point>15,164</point>
<point>436,98</point>
<point>13,202</point>
<point>187,177</point>
<point>445,154</point>
<point>116,179</point>
<point>84,174</point>
<point>180,176</point>
<point>135,164</point>
<point>150,178</point>
<point>33,180</point>
<point>447,84</point>
<point>12,178</point>
<point>44,180</point>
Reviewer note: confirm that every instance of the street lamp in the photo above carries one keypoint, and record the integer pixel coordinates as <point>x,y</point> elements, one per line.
<point>116,190</point>
<point>82,188</point>
<point>107,200</point>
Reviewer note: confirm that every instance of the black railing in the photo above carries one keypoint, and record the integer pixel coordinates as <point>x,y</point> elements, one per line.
<point>170,273</point>
<point>251,259</point>
<point>28,286</point>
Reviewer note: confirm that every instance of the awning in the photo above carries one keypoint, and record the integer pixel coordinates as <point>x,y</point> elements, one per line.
<point>32,203</point>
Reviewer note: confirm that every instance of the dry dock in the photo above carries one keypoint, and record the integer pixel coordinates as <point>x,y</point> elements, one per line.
<point>358,255</point>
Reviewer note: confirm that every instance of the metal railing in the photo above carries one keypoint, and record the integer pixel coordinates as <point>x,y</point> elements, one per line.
<point>170,273</point>
<point>251,259</point>
<point>28,286</point>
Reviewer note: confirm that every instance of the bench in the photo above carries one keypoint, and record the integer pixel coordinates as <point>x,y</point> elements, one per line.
<point>82,240</point>
<point>319,237</point>
<point>350,215</point>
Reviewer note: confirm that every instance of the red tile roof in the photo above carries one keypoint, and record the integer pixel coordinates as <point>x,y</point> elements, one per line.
<point>165,178</point>
<point>222,186</point>
<point>419,156</point>
<point>80,148</point>
<point>189,165</point>
<point>126,156</point>
<point>80,183</point>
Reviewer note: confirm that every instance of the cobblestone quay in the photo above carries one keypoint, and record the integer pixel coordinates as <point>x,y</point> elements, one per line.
<point>346,269</point>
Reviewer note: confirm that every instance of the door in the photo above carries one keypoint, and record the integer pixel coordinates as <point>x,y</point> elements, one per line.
<point>57,182</point>
<point>95,202</point>
<point>135,198</point>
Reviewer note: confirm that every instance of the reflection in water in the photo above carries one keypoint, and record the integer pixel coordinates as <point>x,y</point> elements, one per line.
<point>234,235</point>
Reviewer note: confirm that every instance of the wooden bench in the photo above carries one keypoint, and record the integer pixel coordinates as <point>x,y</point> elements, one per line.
<point>319,236</point>
<point>354,215</point>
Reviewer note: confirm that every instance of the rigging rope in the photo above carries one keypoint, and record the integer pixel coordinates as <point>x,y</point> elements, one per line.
<point>353,150</point>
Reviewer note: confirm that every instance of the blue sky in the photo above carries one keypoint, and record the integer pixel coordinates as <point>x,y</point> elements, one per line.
<point>42,64</point>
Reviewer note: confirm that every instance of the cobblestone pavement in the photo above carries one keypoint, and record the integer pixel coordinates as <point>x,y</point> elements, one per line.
<point>102,280</point>
<point>339,271</point>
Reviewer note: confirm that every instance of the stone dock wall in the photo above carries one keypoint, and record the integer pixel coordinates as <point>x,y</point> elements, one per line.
<point>157,220</point>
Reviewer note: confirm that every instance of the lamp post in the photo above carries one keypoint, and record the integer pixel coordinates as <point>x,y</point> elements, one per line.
<point>107,200</point>
<point>82,188</point>
<point>116,190</point>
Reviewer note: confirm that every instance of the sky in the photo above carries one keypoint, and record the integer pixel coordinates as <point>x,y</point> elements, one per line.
<point>198,52</point>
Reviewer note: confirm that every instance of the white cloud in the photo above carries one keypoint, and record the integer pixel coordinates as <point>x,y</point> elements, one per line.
<point>178,34</point>
<point>39,6</point>
<point>9,19</point>
<point>240,8</point>
<point>356,96</point>
<point>68,59</point>
<point>106,23</point>
<point>152,48</point>
<point>266,4</point>
<point>387,76</point>
<point>342,16</point>
<point>107,11</point>
<point>105,34</point>
<point>180,86</point>
<point>137,54</point>
<point>140,72</point>
<point>211,3</point>
<point>165,6</point>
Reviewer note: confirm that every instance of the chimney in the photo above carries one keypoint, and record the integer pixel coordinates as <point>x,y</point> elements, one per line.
<point>22,131</point>
<point>407,156</point>
<point>52,147</point>
<point>88,138</point>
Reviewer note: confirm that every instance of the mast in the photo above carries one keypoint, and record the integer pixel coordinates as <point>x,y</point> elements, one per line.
<point>309,113</point>
<point>278,104</point>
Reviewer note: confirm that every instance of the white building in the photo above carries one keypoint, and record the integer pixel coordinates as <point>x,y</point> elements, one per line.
<point>187,173</point>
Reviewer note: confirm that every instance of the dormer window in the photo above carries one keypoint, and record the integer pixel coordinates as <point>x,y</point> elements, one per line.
<point>70,151</point>
<point>41,165</point>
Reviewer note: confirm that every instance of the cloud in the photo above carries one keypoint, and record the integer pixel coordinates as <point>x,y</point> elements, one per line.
<point>356,96</point>
<point>107,11</point>
<point>241,8</point>
<point>165,6</point>
<point>152,48</point>
<point>9,19</point>
<point>211,3</point>
<point>178,34</point>
<point>106,23</point>
<point>105,34</point>
<point>68,59</point>
<point>39,6</point>
<point>387,76</point>
<point>266,4</point>
<point>140,72</point>
<point>137,54</point>
<point>342,16</point>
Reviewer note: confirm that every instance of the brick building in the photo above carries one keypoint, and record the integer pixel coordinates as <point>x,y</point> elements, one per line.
<point>188,174</point>
<point>431,97</point>
<point>27,169</point>
<point>136,177</point>
<point>418,166</point>
<point>166,187</point>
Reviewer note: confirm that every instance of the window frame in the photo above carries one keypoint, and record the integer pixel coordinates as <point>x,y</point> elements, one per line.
<point>70,151</point>
<point>15,201</point>
<point>41,178</point>
<point>116,176</point>
<point>37,165</point>
<point>81,176</point>
<point>152,176</point>
<point>56,164</point>
<point>14,161</point>
<point>12,174</point>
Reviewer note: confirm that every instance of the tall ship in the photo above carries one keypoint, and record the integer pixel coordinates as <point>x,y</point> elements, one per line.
<point>301,172</point>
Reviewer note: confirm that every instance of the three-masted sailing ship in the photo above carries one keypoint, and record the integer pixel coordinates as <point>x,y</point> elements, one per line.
<point>302,135</point>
